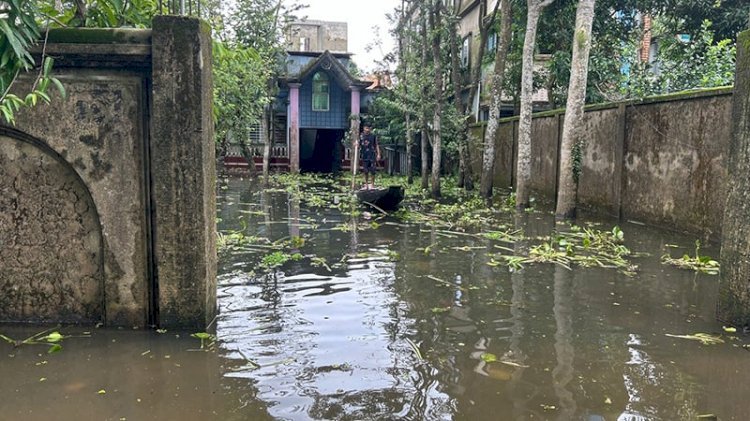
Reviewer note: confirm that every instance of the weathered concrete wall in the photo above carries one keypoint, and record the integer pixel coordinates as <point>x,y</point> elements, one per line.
<point>50,238</point>
<point>79,221</point>
<point>320,36</point>
<point>183,172</point>
<point>734,288</point>
<point>99,130</point>
<point>675,169</point>
<point>660,161</point>
<point>505,152</point>
<point>544,155</point>
<point>600,181</point>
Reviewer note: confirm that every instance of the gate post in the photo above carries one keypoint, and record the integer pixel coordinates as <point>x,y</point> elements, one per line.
<point>183,173</point>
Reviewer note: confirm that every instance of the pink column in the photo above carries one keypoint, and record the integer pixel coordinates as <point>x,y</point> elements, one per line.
<point>354,128</point>
<point>294,127</point>
<point>355,101</point>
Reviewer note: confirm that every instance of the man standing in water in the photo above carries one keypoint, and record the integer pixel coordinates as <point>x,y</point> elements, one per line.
<point>370,152</point>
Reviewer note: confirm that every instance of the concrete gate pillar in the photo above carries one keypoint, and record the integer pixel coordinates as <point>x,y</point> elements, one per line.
<point>294,127</point>
<point>183,173</point>
<point>734,288</point>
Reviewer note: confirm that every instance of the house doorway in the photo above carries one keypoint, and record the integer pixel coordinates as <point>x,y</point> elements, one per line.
<point>320,150</point>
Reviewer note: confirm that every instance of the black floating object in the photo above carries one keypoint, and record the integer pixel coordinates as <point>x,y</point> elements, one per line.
<point>387,198</point>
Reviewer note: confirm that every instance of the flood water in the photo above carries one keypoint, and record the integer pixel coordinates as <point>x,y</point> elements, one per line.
<point>369,325</point>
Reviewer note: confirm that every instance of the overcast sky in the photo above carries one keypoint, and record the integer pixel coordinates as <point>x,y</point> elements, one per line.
<point>362,16</point>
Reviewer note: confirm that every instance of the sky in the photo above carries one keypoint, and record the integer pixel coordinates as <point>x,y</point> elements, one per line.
<point>361,16</point>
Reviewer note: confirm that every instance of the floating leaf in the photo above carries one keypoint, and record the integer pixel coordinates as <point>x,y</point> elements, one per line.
<point>54,337</point>
<point>729,329</point>
<point>54,348</point>
<point>102,392</point>
<point>488,357</point>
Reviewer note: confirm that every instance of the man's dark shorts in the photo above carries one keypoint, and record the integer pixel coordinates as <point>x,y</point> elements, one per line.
<point>368,166</point>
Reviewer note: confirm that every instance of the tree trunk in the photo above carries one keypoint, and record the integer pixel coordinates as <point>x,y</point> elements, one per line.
<point>734,289</point>
<point>409,141</point>
<point>498,78</point>
<point>425,157</point>
<point>458,100</point>
<point>80,11</point>
<point>573,125</point>
<point>405,84</point>
<point>435,20</point>
<point>425,93</point>
<point>523,169</point>
<point>267,140</point>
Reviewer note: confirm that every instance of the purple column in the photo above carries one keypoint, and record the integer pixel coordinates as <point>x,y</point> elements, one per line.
<point>354,127</point>
<point>355,101</point>
<point>294,127</point>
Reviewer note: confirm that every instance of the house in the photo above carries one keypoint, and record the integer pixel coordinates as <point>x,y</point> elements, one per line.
<point>469,13</point>
<point>317,100</point>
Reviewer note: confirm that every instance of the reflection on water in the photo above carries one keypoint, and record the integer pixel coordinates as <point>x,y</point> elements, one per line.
<point>400,323</point>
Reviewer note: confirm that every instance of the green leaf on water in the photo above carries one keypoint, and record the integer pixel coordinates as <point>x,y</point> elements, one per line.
<point>201,335</point>
<point>54,348</point>
<point>54,337</point>
<point>489,358</point>
<point>729,329</point>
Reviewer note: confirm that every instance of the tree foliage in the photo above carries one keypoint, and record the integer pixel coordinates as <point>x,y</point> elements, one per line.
<point>240,89</point>
<point>20,29</point>
<point>247,61</point>
<point>700,63</point>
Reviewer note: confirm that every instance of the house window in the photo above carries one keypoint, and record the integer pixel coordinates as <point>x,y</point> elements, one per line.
<point>320,96</point>
<point>465,52</point>
<point>303,44</point>
<point>491,43</point>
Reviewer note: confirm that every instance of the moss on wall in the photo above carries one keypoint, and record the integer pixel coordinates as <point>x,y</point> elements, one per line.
<point>99,36</point>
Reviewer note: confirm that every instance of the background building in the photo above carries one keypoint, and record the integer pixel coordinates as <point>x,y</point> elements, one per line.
<point>319,92</point>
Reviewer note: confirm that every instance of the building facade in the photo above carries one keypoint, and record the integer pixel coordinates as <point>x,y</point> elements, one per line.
<point>318,102</point>
<point>470,15</point>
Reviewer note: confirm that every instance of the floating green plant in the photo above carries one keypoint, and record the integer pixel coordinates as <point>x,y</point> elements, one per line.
<point>704,338</point>
<point>208,341</point>
<point>585,247</point>
<point>697,263</point>
<point>277,259</point>
<point>49,338</point>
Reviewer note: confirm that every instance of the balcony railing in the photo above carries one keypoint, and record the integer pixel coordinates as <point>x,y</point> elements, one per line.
<point>277,151</point>
<point>180,7</point>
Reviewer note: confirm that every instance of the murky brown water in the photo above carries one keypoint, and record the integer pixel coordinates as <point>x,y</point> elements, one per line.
<point>586,344</point>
